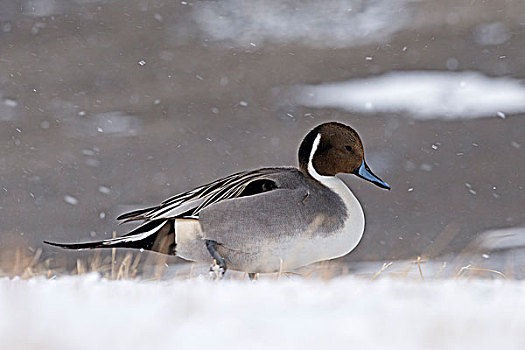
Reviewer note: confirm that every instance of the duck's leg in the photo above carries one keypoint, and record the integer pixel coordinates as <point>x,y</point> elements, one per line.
<point>219,267</point>
<point>253,276</point>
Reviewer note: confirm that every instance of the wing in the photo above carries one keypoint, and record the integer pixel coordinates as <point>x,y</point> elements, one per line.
<point>191,203</point>
<point>241,223</point>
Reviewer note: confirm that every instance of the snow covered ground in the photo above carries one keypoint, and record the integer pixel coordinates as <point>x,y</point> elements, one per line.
<point>92,313</point>
<point>337,23</point>
<point>440,94</point>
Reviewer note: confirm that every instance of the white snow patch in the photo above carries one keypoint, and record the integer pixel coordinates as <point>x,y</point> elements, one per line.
<point>92,162</point>
<point>332,23</point>
<point>422,94</point>
<point>41,8</point>
<point>114,123</point>
<point>494,33</point>
<point>452,63</point>
<point>7,108</point>
<point>6,27</point>
<point>503,238</point>
<point>45,8</point>
<point>90,313</point>
<point>104,189</point>
<point>10,102</point>
<point>70,200</point>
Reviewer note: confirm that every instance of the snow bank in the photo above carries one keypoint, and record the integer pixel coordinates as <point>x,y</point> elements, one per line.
<point>503,238</point>
<point>422,94</point>
<point>333,23</point>
<point>89,313</point>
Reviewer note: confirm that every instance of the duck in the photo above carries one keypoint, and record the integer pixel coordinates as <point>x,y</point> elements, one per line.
<point>264,220</point>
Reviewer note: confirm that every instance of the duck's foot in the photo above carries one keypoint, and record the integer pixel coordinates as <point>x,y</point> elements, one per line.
<point>218,268</point>
<point>216,271</point>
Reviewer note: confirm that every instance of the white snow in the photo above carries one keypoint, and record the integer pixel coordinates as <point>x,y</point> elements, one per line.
<point>502,238</point>
<point>332,23</point>
<point>421,94</point>
<point>494,33</point>
<point>114,123</point>
<point>452,63</point>
<point>41,8</point>
<point>90,313</point>
<point>10,102</point>
<point>70,199</point>
<point>45,8</point>
<point>7,108</point>
<point>104,189</point>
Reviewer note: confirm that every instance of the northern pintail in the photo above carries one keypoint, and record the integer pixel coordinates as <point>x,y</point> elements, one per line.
<point>263,220</point>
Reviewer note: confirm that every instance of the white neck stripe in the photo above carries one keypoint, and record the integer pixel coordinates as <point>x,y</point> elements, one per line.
<point>311,168</point>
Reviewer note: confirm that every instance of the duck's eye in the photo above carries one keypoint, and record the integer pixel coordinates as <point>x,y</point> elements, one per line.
<point>348,148</point>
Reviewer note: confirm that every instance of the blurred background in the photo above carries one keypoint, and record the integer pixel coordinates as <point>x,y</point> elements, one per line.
<point>110,105</point>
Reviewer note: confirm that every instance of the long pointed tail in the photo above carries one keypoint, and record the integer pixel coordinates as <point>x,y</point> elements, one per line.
<point>157,236</point>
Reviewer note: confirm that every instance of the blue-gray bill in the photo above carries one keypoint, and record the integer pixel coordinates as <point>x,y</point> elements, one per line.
<point>364,172</point>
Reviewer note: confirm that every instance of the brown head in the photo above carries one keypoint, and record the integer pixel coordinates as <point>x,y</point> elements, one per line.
<point>333,148</point>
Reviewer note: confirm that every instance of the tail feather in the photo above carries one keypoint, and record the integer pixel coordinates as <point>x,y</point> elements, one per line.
<point>157,236</point>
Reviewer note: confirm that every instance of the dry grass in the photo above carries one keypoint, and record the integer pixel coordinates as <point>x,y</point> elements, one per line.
<point>479,269</point>
<point>25,263</point>
<point>385,266</point>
